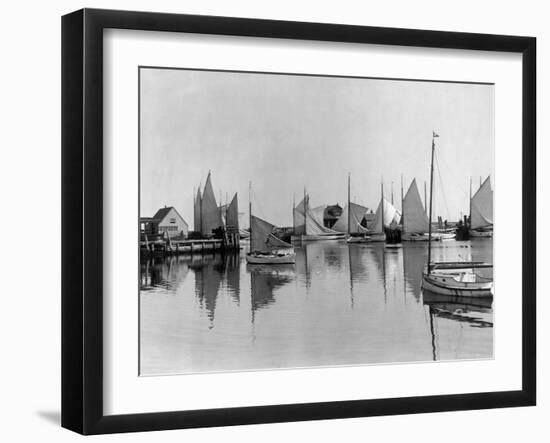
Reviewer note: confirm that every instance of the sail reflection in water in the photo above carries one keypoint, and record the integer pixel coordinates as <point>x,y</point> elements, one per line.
<point>339,304</point>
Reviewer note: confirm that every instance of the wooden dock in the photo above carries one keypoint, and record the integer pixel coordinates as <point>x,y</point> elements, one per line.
<point>161,245</point>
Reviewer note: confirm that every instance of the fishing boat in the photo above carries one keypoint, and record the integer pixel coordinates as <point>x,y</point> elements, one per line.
<point>481,211</point>
<point>265,247</point>
<point>350,221</point>
<point>457,279</point>
<point>308,223</point>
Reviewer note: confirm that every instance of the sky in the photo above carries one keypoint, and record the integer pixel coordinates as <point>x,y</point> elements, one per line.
<point>284,133</point>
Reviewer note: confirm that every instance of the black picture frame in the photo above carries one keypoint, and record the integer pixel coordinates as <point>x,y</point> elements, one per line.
<point>82,218</point>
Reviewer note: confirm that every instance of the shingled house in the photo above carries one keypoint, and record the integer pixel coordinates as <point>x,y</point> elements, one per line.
<point>167,220</point>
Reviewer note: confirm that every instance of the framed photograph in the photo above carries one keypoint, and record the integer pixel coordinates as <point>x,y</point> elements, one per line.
<point>269,221</point>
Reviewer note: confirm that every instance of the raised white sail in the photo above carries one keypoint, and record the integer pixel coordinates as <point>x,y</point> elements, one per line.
<point>210,213</point>
<point>415,220</point>
<point>232,214</point>
<point>197,212</point>
<point>391,214</point>
<point>482,206</point>
<point>299,219</point>
<point>356,214</point>
<point>262,238</point>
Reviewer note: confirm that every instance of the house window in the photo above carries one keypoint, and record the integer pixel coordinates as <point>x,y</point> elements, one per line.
<point>173,220</point>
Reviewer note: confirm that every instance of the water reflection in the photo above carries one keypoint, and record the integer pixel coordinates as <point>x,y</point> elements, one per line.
<point>209,273</point>
<point>165,273</point>
<point>475,313</point>
<point>265,282</point>
<point>339,304</point>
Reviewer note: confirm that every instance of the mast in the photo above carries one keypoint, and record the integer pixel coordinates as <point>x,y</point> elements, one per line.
<point>402,210</point>
<point>200,209</point>
<point>392,192</point>
<point>349,212</point>
<point>294,212</point>
<point>382,192</point>
<point>470,216</point>
<point>305,211</point>
<point>250,214</point>
<point>425,198</point>
<point>431,196</point>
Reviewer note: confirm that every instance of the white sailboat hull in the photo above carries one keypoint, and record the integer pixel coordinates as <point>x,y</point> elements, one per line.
<point>361,239</point>
<point>457,284</point>
<point>480,234</point>
<point>317,237</point>
<point>378,237</point>
<point>436,236</point>
<point>442,236</point>
<point>271,259</point>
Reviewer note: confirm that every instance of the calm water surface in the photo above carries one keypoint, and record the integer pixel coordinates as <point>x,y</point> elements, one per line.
<point>338,305</point>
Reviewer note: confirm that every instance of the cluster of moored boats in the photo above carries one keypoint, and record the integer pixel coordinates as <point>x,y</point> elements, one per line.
<point>414,223</point>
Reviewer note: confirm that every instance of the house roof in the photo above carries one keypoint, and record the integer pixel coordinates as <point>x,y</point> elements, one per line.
<point>163,212</point>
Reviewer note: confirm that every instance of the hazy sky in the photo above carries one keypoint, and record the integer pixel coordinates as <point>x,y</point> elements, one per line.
<point>284,132</point>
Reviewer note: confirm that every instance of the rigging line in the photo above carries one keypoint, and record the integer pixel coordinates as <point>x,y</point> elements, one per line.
<point>442,188</point>
<point>449,171</point>
<point>258,209</point>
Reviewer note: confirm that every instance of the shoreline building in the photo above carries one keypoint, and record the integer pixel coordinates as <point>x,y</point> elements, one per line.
<point>166,220</point>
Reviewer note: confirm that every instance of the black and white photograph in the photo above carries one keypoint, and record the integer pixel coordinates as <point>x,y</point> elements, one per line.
<point>303,221</point>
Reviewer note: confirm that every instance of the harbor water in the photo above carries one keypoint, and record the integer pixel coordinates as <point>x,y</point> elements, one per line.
<point>338,305</point>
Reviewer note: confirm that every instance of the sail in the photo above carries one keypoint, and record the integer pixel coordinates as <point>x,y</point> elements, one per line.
<point>262,238</point>
<point>232,214</point>
<point>397,217</point>
<point>482,206</point>
<point>243,223</point>
<point>415,220</point>
<point>356,214</point>
<point>313,223</point>
<point>298,219</point>
<point>210,213</point>
<point>390,215</point>
<point>197,212</point>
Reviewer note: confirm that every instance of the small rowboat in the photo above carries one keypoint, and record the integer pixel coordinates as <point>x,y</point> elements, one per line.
<point>359,239</point>
<point>254,258</point>
<point>480,234</point>
<point>317,237</point>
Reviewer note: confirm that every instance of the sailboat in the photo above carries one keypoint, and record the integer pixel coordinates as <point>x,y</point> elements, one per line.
<point>265,247</point>
<point>308,223</point>
<point>386,216</point>
<point>481,211</point>
<point>457,279</point>
<point>350,221</point>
